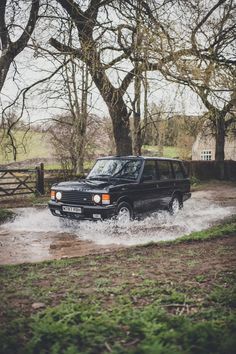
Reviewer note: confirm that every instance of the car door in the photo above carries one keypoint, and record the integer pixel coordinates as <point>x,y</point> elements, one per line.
<point>181,180</point>
<point>148,187</point>
<point>165,183</point>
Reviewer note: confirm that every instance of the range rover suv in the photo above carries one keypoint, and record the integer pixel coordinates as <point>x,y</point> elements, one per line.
<point>123,187</point>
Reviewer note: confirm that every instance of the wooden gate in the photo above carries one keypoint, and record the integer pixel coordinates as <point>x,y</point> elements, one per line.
<point>21,181</point>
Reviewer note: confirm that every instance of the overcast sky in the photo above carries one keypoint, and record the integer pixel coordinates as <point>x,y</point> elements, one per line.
<point>31,68</point>
<point>174,98</point>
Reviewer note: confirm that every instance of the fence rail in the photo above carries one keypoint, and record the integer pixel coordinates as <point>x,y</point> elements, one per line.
<point>21,181</point>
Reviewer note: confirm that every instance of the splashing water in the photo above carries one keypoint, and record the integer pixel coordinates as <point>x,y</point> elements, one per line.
<point>159,226</point>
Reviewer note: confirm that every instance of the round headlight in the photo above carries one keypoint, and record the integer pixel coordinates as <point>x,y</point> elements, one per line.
<point>97,198</point>
<point>58,195</point>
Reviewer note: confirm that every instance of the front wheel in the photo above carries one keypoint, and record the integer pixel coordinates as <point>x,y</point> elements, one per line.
<point>175,205</point>
<point>124,212</point>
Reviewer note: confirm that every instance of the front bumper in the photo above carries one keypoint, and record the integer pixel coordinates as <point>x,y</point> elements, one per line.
<point>88,212</point>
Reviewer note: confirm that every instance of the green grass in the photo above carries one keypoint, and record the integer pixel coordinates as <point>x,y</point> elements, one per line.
<point>35,145</point>
<point>213,232</point>
<point>168,151</point>
<point>6,215</point>
<point>143,300</point>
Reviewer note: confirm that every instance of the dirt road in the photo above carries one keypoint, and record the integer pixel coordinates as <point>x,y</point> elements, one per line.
<point>35,235</point>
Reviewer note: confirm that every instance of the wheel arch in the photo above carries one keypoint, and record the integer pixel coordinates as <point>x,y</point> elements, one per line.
<point>125,199</point>
<point>179,195</point>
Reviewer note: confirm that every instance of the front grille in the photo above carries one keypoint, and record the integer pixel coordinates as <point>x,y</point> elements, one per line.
<point>76,197</point>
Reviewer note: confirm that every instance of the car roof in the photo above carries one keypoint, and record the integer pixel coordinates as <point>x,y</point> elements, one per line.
<point>137,157</point>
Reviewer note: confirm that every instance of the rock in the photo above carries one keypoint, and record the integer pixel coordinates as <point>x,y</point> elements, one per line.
<point>38,305</point>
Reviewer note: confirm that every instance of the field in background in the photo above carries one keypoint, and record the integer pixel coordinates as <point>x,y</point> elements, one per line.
<point>33,145</point>
<point>166,151</point>
<point>36,146</point>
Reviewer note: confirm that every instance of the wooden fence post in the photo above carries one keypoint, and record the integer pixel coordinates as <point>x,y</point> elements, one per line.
<point>40,179</point>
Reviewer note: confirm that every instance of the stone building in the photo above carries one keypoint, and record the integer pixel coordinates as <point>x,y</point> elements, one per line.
<point>204,146</point>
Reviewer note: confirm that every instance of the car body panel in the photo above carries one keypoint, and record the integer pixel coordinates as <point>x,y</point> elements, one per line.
<point>150,191</point>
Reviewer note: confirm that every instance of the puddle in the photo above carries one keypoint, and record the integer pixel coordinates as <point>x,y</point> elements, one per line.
<point>36,235</point>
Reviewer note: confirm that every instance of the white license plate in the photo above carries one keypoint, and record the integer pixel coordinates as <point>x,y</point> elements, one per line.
<point>72,209</point>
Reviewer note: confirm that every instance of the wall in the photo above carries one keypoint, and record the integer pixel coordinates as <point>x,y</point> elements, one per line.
<point>208,143</point>
<point>206,170</point>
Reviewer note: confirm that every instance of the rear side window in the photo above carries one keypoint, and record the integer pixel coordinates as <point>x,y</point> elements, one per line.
<point>165,170</point>
<point>150,169</point>
<point>178,170</point>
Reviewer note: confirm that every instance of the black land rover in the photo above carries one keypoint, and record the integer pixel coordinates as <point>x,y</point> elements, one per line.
<point>123,186</point>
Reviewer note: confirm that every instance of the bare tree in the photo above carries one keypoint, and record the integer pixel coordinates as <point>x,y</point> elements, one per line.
<point>203,58</point>
<point>10,48</point>
<point>86,23</point>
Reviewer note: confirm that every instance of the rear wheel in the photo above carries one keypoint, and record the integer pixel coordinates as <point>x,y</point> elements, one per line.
<point>175,205</point>
<point>124,212</point>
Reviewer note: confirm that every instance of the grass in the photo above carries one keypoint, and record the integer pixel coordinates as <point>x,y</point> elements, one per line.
<point>5,215</point>
<point>200,185</point>
<point>168,298</point>
<point>168,151</point>
<point>35,145</point>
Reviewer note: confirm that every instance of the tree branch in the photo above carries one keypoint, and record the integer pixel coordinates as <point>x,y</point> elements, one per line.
<point>21,43</point>
<point>65,49</point>
<point>204,19</point>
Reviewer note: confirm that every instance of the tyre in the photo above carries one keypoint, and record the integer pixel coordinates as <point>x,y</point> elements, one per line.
<point>175,205</point>
<point>124,212</point>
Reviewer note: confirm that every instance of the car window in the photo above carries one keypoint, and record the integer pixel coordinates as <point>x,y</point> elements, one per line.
<point>165,170</point>
<point>179,173</point>
<point>129,170</point>
<point>150,169</point>
<point>116,168</point>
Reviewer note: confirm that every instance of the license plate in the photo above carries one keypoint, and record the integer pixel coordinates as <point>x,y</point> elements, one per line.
<point>72,209</point>
<point>97,216</point>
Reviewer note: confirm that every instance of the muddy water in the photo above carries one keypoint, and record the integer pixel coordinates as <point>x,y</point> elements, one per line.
<point>36,235</point>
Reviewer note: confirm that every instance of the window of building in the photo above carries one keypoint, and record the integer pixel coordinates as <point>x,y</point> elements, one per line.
<point>206,155</point>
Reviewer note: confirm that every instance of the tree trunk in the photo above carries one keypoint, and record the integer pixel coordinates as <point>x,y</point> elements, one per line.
<point>121,130</point>
<point>5,63</point>
<point>137,140</point>
<point>118,113</point>
<point>113,98</point>
<point>119,116</point>
<point>220,144</point>
<point>220,138</point>
<point>80,167</point>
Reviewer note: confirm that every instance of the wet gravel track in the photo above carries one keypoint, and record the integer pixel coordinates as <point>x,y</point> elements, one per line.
<point>35,235</point>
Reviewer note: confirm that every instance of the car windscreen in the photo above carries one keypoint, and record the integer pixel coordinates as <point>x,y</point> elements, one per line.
<point>116,168</point>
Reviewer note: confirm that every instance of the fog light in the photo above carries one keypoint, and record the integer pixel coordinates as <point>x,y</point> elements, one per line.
<point>58,195</point>
<point>106,199</point>
<point>97,198</point>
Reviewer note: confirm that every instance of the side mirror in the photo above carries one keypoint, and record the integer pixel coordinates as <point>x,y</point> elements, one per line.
<point>146,178</point>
